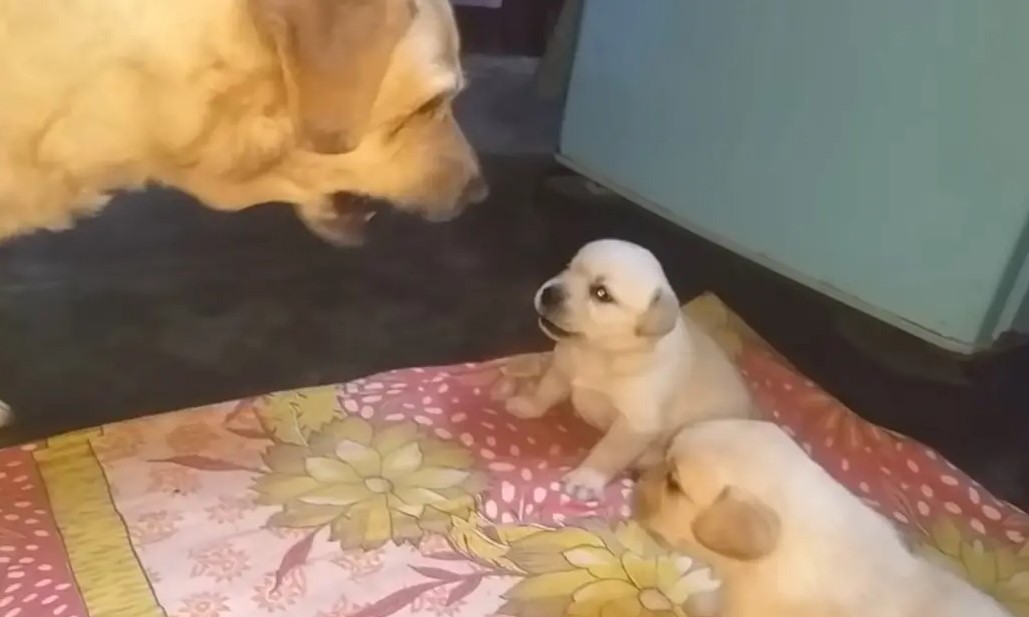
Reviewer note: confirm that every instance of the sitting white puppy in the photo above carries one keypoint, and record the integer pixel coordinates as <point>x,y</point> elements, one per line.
<point>631,363</point>
<point>784,537</point>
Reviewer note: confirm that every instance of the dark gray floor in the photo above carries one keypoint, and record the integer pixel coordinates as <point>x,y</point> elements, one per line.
<point>160,304</point>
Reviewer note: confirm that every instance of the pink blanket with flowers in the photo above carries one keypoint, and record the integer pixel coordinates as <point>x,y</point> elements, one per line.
<point>413,493</point>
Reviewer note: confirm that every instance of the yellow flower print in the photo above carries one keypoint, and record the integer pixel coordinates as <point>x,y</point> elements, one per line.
<point>594,571</point>
<point>369,485</point>
<point>999,571</point>
<point>486,543</point>
<point>291,417</point>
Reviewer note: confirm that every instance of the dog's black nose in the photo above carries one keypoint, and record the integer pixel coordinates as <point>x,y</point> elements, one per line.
<point>551,296</point>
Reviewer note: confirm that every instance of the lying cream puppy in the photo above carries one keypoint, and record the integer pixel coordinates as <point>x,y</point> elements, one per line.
<point>786,539</point>
<point>632,365</point>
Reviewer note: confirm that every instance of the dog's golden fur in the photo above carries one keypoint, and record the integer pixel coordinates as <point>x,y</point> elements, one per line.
<point>237,102</point>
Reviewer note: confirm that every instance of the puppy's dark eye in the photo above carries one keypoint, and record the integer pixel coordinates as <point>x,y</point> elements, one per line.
<point>601,294</point>
<point>672,483</point>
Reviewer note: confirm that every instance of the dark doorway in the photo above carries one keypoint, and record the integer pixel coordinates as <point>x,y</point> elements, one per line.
<point>518,27</point>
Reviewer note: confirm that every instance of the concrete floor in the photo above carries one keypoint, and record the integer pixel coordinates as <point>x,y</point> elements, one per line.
<point>160,304</point>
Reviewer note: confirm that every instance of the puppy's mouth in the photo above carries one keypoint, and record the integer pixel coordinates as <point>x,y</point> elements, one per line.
<point>553,330</point>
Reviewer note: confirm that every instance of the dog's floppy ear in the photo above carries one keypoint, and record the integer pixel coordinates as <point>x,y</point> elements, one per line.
<point>334,54</point>
<point>738,525</point>
<point>660,316</point>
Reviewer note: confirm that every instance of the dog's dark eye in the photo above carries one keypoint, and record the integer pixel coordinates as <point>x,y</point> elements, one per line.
<point>431,106</point>
<point>672,483</point>
<point>601,294</point>
<point>427,109</point>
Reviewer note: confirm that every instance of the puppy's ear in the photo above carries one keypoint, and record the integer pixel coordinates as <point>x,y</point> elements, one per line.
<point>660,316</point>
<point>334,54</point>
<point>738,525</point>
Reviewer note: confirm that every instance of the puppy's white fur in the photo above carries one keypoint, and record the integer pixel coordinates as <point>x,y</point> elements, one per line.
<point>630,362</point>
<point>786,539</point>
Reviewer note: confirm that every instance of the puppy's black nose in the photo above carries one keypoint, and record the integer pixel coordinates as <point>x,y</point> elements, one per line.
<point>551,297</point>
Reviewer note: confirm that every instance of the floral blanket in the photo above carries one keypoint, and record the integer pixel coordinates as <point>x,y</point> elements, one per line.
<point>413,493</point>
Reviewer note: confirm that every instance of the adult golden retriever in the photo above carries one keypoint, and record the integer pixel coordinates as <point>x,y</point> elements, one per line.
<point>236,102</point>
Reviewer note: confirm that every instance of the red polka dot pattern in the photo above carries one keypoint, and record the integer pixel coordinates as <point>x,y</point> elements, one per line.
<point>35,580</point>
<point>903,479</point>
<point>525,459</point>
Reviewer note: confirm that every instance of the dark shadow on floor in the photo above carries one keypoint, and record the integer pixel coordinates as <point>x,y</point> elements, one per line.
<point>160,304</point>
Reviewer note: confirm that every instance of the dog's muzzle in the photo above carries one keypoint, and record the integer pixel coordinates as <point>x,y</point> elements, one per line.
<point>475,192</point>
<point>344,223</point>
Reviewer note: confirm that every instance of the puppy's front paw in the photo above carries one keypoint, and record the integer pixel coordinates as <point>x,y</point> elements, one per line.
<point>584,484</point>
<point>524,407</point>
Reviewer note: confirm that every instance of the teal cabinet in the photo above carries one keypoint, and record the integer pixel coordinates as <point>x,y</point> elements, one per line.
<point>877,150</point>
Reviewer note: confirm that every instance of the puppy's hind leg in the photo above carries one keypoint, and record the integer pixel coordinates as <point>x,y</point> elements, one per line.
<point>552,389</point>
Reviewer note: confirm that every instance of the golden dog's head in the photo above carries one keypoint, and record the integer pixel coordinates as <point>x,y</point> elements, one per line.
<point>716,495</point>
<point>374,81</point>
